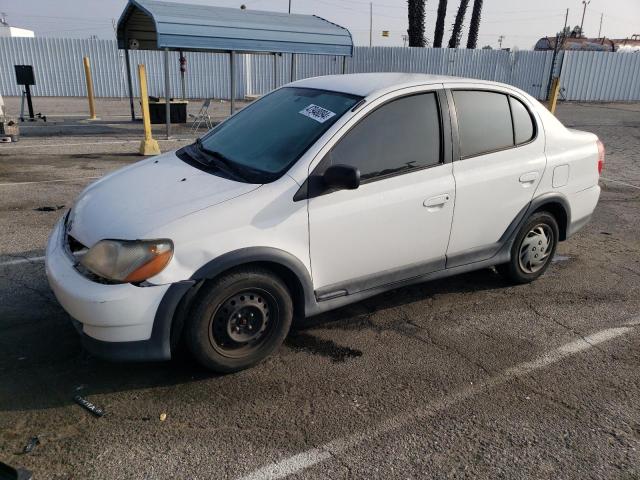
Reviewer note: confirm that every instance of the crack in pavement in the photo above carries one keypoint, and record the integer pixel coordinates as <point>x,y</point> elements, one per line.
<point>439,346</point>
<point>569,328</point>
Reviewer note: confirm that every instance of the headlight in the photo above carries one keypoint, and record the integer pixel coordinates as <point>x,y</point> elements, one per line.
<point>128,260</point>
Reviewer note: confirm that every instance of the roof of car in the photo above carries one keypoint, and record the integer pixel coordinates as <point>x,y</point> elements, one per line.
<point>364,84</point>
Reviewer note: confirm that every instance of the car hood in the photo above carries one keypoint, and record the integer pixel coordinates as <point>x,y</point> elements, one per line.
<point>142,197</point>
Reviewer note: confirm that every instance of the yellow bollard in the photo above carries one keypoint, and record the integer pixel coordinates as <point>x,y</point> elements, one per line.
<point>553,94</point>
<point>92,102</point>
<point>148,146</point>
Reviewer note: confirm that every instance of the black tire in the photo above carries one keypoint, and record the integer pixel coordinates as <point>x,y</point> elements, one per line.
<point>528,262</point>
<point>239,319</point>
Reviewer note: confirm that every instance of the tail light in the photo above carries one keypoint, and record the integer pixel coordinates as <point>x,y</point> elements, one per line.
<point>600,157</point>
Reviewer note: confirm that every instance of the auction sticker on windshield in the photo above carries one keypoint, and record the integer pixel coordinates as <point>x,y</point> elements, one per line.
<point>317,113</point>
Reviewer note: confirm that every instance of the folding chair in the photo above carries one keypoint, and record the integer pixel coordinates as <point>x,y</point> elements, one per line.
<point>203,116</point>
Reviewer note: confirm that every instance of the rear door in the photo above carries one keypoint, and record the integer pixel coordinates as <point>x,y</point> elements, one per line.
<point>500,163</point>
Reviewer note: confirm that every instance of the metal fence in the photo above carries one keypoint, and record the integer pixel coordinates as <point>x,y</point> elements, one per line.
<point>600,76</point>
<point>593,76</point>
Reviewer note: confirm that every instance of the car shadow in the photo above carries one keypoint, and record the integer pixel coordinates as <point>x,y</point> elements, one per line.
<point>42,364</point>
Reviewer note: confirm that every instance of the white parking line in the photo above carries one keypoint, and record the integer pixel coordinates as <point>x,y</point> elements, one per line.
<point>618,181</point>
<point>309,458</point>
<point>48,145</point>
<point>47,181</point>
<point>18,261</point>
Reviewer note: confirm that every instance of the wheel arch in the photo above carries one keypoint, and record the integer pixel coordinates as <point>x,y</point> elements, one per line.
<point>558,206</point>
<point>283,264</point>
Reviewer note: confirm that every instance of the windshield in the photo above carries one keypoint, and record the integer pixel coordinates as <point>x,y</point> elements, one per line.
<point>263,140</point>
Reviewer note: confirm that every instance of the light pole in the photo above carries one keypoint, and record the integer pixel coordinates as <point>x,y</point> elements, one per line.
<point>289,6</point>
<point>584,10</point>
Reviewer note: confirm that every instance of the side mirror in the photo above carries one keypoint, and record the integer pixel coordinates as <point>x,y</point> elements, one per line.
<point>341,177</point>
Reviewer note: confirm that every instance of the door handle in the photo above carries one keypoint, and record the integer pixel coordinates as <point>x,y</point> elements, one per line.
<point>437,202</point>
<point>528,178</point>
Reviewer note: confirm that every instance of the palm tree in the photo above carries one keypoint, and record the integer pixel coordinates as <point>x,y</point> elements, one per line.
<point>439,32</point>
<point>474,26</point>
<point>454,41</point>
<point>416,23</point>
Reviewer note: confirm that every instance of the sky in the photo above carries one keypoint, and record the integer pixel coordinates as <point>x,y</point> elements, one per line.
<point>521,22</point>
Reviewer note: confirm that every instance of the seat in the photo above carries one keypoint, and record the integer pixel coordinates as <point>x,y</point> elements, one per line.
<point>201,117</point>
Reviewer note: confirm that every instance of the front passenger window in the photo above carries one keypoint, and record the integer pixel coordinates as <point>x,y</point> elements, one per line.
<point>401,135</point>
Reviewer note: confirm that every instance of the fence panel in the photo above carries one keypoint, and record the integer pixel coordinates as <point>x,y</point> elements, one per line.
<point>600,76</point>
<point>586,76</point>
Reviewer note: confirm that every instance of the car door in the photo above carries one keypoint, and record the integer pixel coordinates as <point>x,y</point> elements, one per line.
<point>396,224</point>
<point>501,161</point>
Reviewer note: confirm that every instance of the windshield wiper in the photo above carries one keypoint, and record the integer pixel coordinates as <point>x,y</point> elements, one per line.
<point>221,161</point>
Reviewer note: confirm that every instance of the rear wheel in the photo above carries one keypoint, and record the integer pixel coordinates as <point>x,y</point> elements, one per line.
<point>532,249</point>
<point>239,319</point>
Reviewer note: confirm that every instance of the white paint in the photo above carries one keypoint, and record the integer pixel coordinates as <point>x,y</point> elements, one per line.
<point>19,261</point>
<point>47,181</point>
<point>119,142</point>
<point>304,460</point>
<point>621,183</point>
<point>290,465</point>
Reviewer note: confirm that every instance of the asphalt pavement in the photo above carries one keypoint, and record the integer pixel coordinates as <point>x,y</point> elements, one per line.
<point>466,377</point>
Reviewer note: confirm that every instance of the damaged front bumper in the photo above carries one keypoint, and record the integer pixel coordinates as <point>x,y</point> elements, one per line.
<point>116,322</point>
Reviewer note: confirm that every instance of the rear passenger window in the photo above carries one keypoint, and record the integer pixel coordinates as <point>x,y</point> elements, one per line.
<point>484,121</point>
<point>400,136</point>
<point>522,122</point>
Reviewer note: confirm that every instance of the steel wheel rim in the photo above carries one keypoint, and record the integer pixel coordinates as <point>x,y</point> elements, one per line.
<point>243,322</point>
<point>536,248</point>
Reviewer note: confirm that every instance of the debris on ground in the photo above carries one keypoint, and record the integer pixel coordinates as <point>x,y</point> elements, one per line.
<point>163,417</point>
<point>31,444</point>
<point>48,208</point>
<point>83,402</point>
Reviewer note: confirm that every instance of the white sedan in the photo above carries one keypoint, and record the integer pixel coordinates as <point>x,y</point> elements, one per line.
<point>322,193</point>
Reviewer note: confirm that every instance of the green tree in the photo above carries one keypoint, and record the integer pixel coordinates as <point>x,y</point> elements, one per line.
<point>439,31</point>
<point>456,33</point>
<point>416,23</point>
<point>474,26</point>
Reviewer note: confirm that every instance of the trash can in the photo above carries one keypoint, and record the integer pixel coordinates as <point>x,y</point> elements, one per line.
<point>178,109</point>
<point>9,130</point>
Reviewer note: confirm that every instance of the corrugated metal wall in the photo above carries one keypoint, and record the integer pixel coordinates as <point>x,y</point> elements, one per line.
<point>58,69</point>
<point>600,76</point>
<point>587,76</point>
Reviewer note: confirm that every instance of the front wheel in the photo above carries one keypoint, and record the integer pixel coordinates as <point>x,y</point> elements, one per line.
<point>239,319</point>
<point>532,249</point>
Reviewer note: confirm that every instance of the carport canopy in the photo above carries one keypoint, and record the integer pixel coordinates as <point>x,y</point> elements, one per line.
<point>159,25</point>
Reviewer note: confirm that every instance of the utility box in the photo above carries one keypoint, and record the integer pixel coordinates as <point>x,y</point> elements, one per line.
<point>158,112</point>
<point>8,130</point>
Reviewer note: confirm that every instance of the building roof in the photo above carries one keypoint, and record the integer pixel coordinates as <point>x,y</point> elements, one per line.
<point>591,44</point>
<point>155,25</point>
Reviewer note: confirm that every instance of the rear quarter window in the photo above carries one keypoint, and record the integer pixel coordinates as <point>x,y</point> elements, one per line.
<point>523,127</point>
